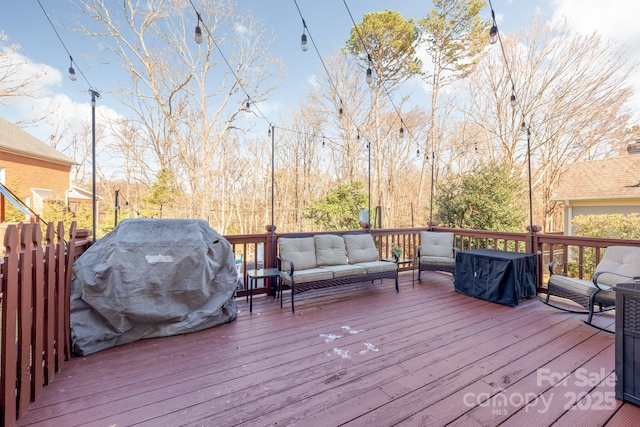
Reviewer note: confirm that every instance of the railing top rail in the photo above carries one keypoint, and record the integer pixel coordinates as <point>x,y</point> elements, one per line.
<point>597,242</point>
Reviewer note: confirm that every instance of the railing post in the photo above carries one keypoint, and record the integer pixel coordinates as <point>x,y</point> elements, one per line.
<point>25,303</point>
<point>533,246</point>
<point>8,369</point>
<point>270,250</point>
<point>270,247</point>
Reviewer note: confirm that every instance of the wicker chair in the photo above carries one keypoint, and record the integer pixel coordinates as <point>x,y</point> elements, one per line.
<point>436,252</point>
<point>619,264</point>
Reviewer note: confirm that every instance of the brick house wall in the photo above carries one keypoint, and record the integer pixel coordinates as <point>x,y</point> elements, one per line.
<point>33,171</point>
<point>23,173</point>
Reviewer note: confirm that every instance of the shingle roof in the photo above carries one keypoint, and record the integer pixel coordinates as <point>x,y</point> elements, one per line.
<point>608,178</point>
<point>46,194</point>
<point>17,141</point>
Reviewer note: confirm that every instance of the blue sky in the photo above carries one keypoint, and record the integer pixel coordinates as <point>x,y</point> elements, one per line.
<point>328,21</point>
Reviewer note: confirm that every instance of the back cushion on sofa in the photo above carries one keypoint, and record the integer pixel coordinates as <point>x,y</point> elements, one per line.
<point>330,250</point>
<point>300,250</point>
<point>360,248</point>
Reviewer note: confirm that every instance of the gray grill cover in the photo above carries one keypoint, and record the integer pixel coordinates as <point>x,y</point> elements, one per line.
<point>151,278</point>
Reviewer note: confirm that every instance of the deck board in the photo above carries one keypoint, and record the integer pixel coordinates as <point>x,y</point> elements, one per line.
<point>356,355</point>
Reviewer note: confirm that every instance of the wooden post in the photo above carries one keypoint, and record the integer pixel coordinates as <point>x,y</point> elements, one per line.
<point>270,252</point>
<point>533,247</point>
<point>50,304</point>
<point>8,370</point>
<point>25,300</point>
<point>66,307</point>
<point>37,327</point>
<point>60,293</point>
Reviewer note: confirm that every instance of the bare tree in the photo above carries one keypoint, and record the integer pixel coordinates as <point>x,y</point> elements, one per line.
<point>572,93</point>
<point>16,79</point>
<point>185,101</point>
<point>340,102</point>
<point>454,36</point>
<point>384,44</point>
<point>308,175</point>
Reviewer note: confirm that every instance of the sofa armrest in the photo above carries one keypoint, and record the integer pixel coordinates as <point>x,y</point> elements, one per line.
<point>291,266</point>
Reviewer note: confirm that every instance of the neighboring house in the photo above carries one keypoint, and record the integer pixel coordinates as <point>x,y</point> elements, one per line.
<point>32,170</point>
<point>600,187</point>
<point>77,196</point>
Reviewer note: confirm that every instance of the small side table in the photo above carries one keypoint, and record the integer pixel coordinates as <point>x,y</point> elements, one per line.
<point>403,261</point>
<point>263,273</point>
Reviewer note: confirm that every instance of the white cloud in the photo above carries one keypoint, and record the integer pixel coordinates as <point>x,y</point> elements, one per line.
<point>313,81</point>
<point>49,109</point>
<point>615,19</point>
<point>241,30</point>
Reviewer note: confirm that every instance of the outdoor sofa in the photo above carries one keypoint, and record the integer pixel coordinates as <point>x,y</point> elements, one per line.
<point>325,260</point>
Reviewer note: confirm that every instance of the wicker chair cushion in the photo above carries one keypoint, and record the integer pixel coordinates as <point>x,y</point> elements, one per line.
<point>436,244</point>
<point>578,286</point>
<point>300,250</point>
<point>624,260</point>
<point>360,248</point>
<point>437,260</point>
<point>330,250</point>
<point>378,266</point>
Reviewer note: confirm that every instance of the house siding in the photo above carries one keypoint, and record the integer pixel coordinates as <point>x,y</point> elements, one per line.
<point>598,207</point>
<point>24,173</point>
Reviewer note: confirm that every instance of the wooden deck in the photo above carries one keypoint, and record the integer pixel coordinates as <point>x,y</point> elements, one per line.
<point>360,355</point>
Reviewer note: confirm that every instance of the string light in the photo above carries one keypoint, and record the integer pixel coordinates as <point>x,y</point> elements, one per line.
<point>493,32</point>
<point>198,35</point>
<point>303,39</point>
<point>72,72</point>
<point>226,61</point>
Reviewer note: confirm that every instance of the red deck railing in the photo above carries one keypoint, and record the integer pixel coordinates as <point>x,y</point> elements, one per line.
<point>36,278</point>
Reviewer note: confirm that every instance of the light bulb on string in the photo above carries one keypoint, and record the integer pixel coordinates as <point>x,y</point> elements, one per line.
<point>303,39</point>
<point>72,72</point>
<point>198,35</point>
<point>493,34</point>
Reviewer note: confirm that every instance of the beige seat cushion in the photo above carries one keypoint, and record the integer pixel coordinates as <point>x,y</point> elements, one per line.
<point>347,270</point>
<point>584,288</point>
<point>310,275</point>
<point>360,248</point>
<point>378,266</point>
<point>437,260</point>
<point>330,250</point>
<point>436,244</point>
<point>300,250</point>
<point>578,286</point>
